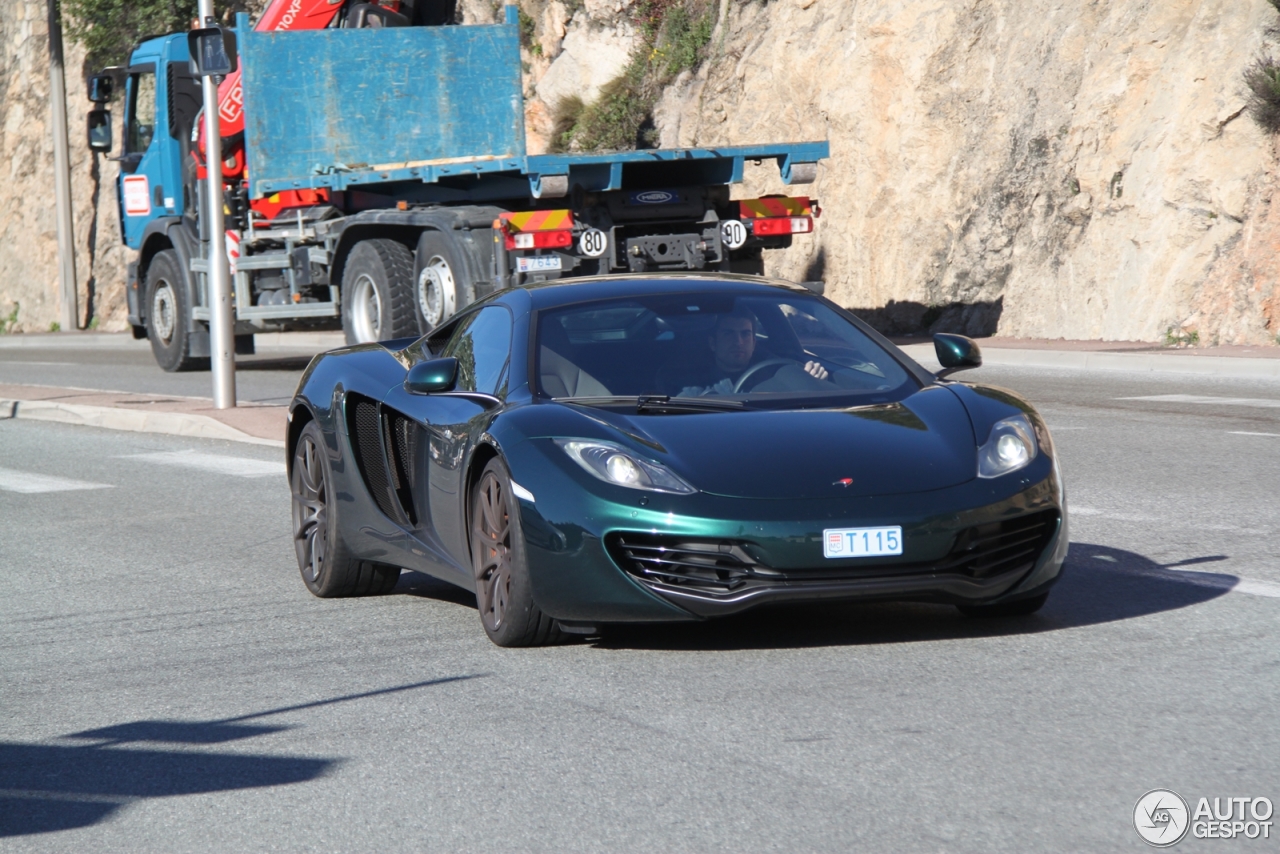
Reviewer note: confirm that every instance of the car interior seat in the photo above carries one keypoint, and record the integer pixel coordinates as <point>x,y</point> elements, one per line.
<point>558,375</point>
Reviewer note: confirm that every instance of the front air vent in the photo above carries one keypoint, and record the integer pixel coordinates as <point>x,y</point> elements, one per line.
<point>713,566</point>
<point>383,441</point>
<point>995,548</point>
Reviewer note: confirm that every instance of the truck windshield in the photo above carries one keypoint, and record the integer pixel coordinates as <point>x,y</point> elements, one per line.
<point>771,351</point>
<point>142,111</point>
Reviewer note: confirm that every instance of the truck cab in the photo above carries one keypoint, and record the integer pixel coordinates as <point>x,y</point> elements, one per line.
<point>161,102</point>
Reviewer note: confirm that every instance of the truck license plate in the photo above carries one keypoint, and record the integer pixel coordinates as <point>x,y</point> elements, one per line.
<point>861,542</point>
<point>538,264</point>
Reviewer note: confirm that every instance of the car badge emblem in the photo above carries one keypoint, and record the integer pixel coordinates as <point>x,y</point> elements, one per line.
<point>844,481</point>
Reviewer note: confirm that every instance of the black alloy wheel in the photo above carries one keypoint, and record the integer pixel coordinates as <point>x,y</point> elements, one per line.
<point>167,308</point>
<point>503,592</point>
<point>328,567</point>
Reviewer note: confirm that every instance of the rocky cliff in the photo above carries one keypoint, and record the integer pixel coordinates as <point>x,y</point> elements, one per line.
<point>1032,168</point>
<point>28,228</point>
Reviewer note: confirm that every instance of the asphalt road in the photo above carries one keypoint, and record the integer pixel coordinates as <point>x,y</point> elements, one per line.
<point>269,376</point>
<point>168,684</point>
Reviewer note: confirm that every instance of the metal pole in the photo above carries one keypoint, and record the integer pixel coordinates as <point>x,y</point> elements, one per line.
<point>69,316</point>
<point>222,341</point>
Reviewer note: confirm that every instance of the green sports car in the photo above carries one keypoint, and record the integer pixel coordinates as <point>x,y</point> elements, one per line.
<point>657,448</point>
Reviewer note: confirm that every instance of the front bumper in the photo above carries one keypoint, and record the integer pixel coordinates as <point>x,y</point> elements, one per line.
<point>581,539</point>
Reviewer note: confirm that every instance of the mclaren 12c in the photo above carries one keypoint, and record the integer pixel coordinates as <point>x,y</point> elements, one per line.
<point>657,448</point>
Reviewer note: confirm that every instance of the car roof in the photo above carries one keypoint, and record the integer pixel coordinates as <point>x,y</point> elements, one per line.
<point>567,291</point>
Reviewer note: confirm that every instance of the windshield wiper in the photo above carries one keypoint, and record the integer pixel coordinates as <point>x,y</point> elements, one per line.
<point>659,403</point>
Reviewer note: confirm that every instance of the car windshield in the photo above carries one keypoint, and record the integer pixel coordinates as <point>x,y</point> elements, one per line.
<point>713,352</point>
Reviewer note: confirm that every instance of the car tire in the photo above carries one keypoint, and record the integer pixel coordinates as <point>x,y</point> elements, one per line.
<point>500,566</point>
<point>437,276</point>
<point>167,314</point>
<point>377,292</point>
<point>328,567</point>
<point>1016,608</point>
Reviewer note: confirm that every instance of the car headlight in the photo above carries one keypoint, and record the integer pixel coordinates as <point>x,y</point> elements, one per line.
<point>1011,446</point>
<point>615,464</point>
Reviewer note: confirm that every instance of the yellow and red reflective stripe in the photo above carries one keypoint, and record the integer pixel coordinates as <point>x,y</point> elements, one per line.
<point>775,206</point>
<point>527,221</point>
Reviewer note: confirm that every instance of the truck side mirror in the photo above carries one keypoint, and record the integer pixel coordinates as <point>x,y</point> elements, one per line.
<point>100,131</point>
<point>101,87</point>
<point>213,51</point>
<point>956,353</point>
<point>433,376</point>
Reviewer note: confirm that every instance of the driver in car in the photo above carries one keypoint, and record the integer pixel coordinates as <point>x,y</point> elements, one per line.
<point>733,344</point>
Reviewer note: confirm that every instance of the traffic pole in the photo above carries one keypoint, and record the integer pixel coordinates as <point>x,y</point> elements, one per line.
<point>222,339</point>
<point>69,316</point>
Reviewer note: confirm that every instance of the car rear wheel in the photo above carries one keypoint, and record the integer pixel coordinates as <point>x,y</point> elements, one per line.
<point>503,592</point>
<point>1017,608</point>
<point>328,567</point>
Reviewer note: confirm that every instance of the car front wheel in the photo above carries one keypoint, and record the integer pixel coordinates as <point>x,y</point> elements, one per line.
<point>503,592</point>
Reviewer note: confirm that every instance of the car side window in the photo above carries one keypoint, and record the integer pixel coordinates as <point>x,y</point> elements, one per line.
<point>482,346</point>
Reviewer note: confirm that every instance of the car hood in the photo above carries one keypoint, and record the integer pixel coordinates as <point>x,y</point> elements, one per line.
<point>922,443</point>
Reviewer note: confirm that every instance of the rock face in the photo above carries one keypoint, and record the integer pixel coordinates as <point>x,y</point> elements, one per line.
<point>1031,168</point>
<point>28,229</point>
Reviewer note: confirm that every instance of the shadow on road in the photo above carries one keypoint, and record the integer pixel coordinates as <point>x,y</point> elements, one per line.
<point>50,787</point>
<point>1099,585</point>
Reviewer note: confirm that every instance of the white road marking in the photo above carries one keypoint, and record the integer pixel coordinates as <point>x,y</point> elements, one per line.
<point>215,463</point>
<point>1138,517</point>
<point>29,482</point>
<point>1247,433</point>
<point>1256,402</point>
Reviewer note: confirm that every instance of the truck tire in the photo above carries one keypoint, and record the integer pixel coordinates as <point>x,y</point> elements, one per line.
<point>437,269</point>
<point>328,567</point>
<point>168,313</point>
<point>377,292</point>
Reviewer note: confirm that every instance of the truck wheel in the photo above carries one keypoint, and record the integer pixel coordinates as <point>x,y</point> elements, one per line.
<point>328,568</point>
<point>503,591</point>
<point>437,265</point>
<point>168,313</point>
<point>377,292</point>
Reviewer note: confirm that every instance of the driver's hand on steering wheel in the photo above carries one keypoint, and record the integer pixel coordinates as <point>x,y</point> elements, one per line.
<point>815,369</point>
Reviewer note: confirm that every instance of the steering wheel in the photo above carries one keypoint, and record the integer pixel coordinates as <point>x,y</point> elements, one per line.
<point>757,368</point>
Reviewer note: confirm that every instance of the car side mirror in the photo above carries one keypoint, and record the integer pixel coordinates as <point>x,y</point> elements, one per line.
<point>99,124</point>
<point>956,353</point>
<point>432,377</point>
<point>101,88</point>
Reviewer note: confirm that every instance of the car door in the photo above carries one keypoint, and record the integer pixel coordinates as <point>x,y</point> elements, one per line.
<point>450,423</point>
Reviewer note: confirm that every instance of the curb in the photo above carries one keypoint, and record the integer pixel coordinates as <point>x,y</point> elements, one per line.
<point>1165,363</point>
<point>114,418</point>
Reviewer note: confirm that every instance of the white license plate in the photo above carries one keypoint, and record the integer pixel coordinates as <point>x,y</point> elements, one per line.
<point>862,542</point>
<point>538,264</point>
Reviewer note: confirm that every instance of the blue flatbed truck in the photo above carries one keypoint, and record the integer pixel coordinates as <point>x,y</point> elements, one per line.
<point>406,147</point>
